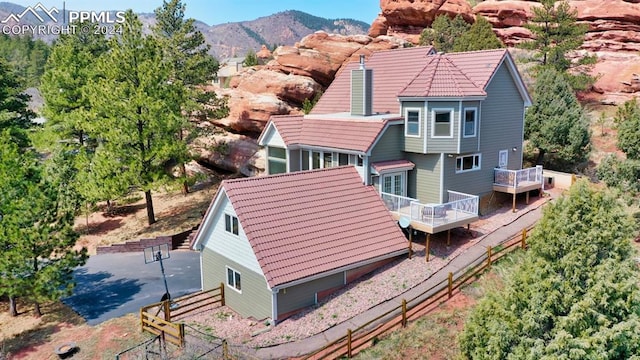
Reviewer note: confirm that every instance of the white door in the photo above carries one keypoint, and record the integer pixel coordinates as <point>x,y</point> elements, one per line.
<point>393,184</point>
<point>503,158</point>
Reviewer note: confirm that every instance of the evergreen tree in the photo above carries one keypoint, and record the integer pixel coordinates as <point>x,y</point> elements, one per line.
<point>443,32</point>
<point>556,34</point>
<point>627,120</point>
<point>574,296</point>
<point>556,123</point>
<point>250,59</point>
<point>36,231</point>
<point>480,36</point>
<point>138,109</point>
<point>70,69</point>
<point>26,55</point>
<point>187,53</point>
<point>14,112</point>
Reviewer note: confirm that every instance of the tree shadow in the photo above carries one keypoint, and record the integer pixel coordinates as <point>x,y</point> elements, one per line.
<point>96,294</point>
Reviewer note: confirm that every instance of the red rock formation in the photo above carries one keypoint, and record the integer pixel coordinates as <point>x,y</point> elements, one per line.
<point>407,18</point>
<point>288,87</point>
<point>264,53</point>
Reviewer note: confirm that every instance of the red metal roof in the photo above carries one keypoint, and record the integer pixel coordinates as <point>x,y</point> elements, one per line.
<point>394,71</point>
<point>441,78</point>
<point>356,134</point>
<point>383,166</point>
<point>305,223</point>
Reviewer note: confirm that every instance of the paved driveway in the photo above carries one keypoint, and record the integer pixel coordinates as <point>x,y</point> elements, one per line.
<point>112,285</point>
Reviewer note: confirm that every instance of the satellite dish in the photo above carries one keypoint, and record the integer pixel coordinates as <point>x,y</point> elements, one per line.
<point>404,222</point>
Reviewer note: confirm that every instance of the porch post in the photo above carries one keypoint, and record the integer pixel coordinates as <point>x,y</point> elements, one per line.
<point>426,248</point>
<point>513,207</point>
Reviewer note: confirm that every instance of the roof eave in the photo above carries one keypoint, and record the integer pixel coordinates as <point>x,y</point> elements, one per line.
<point>442,98</point>
<point>277,287</point>
<point>206,222</point>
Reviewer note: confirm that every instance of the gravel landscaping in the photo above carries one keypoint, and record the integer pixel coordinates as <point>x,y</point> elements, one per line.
<point>383,284</point>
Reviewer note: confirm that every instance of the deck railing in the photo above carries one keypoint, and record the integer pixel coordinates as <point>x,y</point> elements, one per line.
<point>516,178</point>
<point>460,205</point>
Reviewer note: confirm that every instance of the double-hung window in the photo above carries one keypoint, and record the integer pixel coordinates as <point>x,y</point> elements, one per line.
<point>412,122</point>
<point>231,224</point>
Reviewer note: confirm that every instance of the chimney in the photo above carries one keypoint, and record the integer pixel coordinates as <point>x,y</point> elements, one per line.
<point>362,90</point>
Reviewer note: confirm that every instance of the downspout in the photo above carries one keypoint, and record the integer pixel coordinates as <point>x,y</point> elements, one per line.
<point>274,306</point>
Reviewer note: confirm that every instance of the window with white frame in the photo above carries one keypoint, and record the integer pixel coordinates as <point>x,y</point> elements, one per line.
<point>277,160</point>
<point>441,122</point>
<point>470,121</point>
<point>468,163</point>
<point>233,279</point>
<point>231,224</point>
<point>327,159</point>
<point>412,122</point>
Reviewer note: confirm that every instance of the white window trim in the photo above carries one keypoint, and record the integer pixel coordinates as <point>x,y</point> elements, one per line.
<point>225,224</point>
<point>403,180</point>
<point>475,122</point>
<point>406,122</point>
<point>472,169</point>
<point>433,122</point>
<point>226,275</point>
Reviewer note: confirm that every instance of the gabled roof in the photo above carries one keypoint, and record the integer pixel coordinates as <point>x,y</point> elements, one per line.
<point>441,78</point>
<point>392,71</point>
<point>355,134</point>
<point>307,223</point>
<point>407,71</point>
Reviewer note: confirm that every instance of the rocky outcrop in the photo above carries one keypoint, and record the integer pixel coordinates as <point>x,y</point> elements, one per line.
<point>287,87</point>
<point>230,152</point>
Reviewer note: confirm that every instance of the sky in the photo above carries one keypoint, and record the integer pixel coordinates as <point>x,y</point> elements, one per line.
<point>214,12</point>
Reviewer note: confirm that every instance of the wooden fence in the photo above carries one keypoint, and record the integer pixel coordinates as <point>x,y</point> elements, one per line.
<point>356,340</point>
<point>171,309</point>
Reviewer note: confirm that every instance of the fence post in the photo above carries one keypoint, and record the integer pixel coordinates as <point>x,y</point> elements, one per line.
<point>523,241</point>
<point>450,287</point>
<point>488,255</point>
<point>222,294</point>
<point>348,343</point>
<point>181,333</point>
<point>225,349</point>
<point>141,319</point>
<point>404,313</point>
<point>167,310</point>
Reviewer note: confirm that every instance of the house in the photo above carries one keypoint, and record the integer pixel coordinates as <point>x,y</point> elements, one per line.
<point>228,68</point>
<point>280,243</point>
<point>431,132</point>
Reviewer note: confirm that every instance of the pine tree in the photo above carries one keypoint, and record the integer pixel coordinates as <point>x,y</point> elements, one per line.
<point>480,36</point>
<point>574,296</point>
<point>138,107</point>
<point>556,123</point>
<point>14,112</point>
<point>556,34</point>
<point>69,71</point>
<point>443,32</point>
<point>187,53</point>
<point>36,231</point>
<point>250,58</point>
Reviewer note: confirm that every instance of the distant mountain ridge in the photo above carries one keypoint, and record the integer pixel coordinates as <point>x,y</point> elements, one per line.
<point>236,38</point>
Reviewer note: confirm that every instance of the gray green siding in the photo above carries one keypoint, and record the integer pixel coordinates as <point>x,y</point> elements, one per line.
<point>501,128</point>
<point>255,298</point>
<point>390,145</point>
<point>440,145</point>
<point>303,295</point>
<point>414,144</point>
<point>469,144</point>
<point>361,92</point>
<point>424,180</point>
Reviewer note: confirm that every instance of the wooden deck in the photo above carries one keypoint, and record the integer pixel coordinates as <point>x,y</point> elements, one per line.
<point>522,187</point>
<point>451,220</point>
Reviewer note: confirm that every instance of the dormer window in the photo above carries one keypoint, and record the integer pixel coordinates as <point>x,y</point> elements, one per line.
<point>412,122</point>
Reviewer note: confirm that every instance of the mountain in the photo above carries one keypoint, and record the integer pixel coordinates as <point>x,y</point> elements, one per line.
<point>231,39</point>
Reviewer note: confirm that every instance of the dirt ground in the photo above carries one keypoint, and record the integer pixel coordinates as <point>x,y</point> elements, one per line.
<point>28,337</point>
